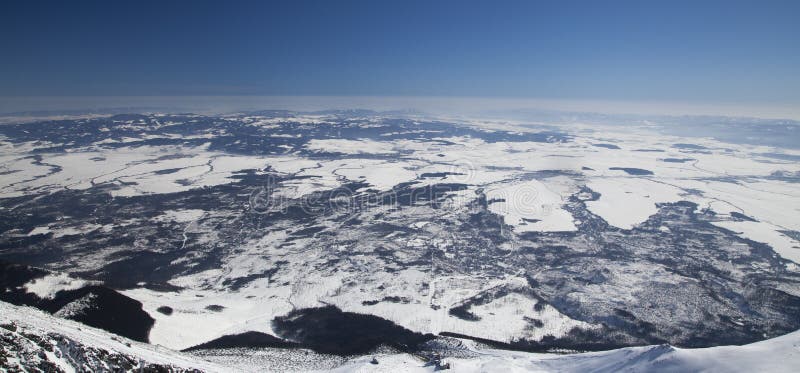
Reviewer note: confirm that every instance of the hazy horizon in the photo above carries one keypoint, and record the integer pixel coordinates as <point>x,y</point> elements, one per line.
<point>452,106</point>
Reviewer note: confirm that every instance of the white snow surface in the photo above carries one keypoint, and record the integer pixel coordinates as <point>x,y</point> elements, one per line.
<point>363,146</point>
<point>627,201</point>
<point>530,206</point>
<point>46,287</point>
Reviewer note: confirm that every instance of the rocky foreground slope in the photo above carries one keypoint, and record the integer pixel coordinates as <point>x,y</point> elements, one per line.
<point>31,340</point>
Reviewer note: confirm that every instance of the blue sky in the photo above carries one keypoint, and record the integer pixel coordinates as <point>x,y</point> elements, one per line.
<point>689,51</point>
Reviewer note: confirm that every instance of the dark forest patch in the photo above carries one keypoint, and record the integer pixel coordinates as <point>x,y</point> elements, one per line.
<point>330,330</point>
<point>632,170</point>
<point>246,339</point>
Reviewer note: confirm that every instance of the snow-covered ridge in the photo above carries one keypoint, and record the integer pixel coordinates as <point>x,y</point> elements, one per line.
<point>780,354</point>
<point>31,339</point>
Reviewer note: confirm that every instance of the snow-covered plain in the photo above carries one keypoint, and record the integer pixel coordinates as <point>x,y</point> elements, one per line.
<point>626,199</point>
<point>526,185</point>
<point>529,205</point>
